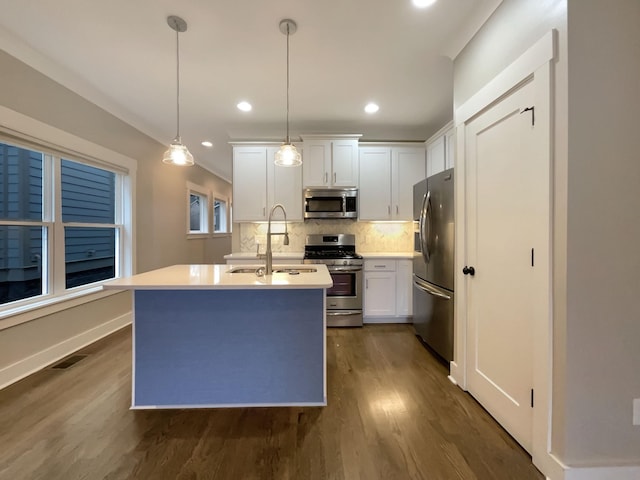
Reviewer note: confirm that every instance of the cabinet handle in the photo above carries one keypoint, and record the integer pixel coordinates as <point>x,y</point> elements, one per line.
<point>379,266</point>
<point>397,210</point>
<point>264,211</point>
<point>388,209</point>
<point>326,177</point>
<point>366,284</point>
<point>334,177</point>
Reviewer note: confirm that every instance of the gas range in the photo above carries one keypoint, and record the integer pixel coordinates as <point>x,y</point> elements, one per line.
<point>337,249</point>
<point>344,298</point>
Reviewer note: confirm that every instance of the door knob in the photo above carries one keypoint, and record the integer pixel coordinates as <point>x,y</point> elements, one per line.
<point>469,271</point>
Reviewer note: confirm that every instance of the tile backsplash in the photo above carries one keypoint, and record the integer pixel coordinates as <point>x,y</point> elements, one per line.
<point>370,236</point>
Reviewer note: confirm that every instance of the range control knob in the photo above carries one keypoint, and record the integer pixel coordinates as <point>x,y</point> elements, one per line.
<point>344,262</point>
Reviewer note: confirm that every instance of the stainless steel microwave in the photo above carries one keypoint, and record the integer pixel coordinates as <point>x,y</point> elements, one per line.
<point>331,203</point>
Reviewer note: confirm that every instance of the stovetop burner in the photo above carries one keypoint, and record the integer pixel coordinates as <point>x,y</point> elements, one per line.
<point>325,248</point>
<point>308,253</point>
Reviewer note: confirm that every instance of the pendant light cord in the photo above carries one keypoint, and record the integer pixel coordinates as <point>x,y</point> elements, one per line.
<point>178,84</point>
<point>288,139</point>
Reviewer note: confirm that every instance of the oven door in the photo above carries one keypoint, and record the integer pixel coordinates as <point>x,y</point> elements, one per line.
<point>346,293</point>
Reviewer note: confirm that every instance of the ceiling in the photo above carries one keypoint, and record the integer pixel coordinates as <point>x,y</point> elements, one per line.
<point>121,55</point>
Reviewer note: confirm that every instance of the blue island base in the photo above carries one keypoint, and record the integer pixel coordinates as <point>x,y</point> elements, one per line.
<point>228,348</point>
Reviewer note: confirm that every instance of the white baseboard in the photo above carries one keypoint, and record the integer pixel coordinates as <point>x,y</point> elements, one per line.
<point>27,366</point>
<point>387,320</point>
<point>456,375</point>
<point>603,473</point>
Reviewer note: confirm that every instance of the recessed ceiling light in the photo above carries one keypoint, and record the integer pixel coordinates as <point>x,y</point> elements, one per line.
<point>423,3</point>
<point>244,106</point>
<point>371,108</point>
<point>207,143</point>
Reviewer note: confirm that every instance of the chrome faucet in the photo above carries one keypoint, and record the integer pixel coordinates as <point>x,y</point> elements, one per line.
<point>286,237</point>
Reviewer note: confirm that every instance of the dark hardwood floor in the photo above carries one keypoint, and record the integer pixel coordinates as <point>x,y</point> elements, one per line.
<point>391,414</point>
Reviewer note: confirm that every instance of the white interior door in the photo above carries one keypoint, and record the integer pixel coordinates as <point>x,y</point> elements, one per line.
<point>504,223</point>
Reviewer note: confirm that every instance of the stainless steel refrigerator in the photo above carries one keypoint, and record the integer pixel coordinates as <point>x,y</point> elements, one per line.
<point>433,262</point>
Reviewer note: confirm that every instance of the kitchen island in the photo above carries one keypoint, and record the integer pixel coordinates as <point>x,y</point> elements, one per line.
<point>221,336</point>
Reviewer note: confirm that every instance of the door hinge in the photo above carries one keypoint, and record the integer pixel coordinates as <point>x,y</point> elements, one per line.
<point>532,398</point>
<point>533,114</point>
<point>533,257</point>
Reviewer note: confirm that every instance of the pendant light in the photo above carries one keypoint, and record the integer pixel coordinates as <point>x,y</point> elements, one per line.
<point>288,155</point>
<point>177,154</point>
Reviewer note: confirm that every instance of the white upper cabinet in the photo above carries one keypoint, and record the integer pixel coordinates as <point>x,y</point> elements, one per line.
<point>249,183</point>
<point>407,169</point>
<point>330,162</point>
<point>436,156</point>
<point>387,176</point>
<point>450,153</point>
<point>441,150</point>
<point>374,194</point>
<point>284,185</point>
<point>258,184</point>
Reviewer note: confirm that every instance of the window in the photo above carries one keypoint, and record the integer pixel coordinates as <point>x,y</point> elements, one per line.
<point>198,210</point>
<point>220,223</point>
<point>61,224</point>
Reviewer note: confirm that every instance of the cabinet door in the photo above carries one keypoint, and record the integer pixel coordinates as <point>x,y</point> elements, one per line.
<point>436,156</point>
<point>344,163</point>
<point>408,168</point>
<point>375,184</point>
<point>284,186</point>
<point>450,154</point>
<point>380,294</point>
<point>404,288</point>
<point>316,163</point>
<point>249,184</point>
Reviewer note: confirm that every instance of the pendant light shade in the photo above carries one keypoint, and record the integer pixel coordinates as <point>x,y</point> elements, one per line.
<point>177,154</point>
<point>288,155</point>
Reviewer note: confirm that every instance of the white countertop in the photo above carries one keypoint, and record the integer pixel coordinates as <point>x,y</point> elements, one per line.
<point>299,255</point>
<point>213,277</point>
<point>253,256</point>
<point>396,255</point>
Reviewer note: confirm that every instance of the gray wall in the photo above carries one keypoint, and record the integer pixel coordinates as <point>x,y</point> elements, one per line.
<point>161,211</point>
<point>595,227</point>
<point>603,232</point>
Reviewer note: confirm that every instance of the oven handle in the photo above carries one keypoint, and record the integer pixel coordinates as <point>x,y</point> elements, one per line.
<point>344,313</point>
<point>344,269</point>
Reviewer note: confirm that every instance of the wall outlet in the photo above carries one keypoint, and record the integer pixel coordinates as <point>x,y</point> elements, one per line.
<point>636,411</point>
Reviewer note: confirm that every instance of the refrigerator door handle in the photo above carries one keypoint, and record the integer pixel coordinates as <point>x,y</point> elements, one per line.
<point>423,228</point>
<point>431,290</point>
<point>343,313</point>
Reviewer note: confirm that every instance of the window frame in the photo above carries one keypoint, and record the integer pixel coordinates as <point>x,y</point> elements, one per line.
<point>27,133</point>
<point>205,211</point>
<point>227,215</point>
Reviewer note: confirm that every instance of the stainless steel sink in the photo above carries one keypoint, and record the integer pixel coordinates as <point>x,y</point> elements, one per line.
<point>295,271</point>
<point>260,270</point>
<point>244,270</point>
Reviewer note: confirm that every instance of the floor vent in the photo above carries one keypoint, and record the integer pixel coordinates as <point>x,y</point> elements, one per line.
<point>68,362</point>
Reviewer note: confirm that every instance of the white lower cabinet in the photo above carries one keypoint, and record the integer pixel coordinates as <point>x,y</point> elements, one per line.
<point>404,288</point>
<point>387,291</point>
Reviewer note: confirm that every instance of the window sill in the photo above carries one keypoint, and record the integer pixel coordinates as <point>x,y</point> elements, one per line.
<point>37,309</point>
<point>201,236</point>
<point>197,236</point>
